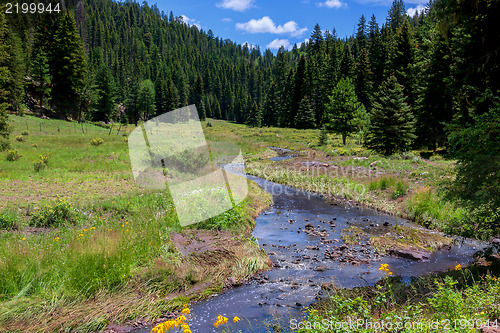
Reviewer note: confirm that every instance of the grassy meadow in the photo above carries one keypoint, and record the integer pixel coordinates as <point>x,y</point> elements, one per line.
<point>78,236</point>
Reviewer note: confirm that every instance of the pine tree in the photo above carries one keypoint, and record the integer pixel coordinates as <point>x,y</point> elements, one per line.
<point>364,83</point>
<point>41,77</point>
<point>392,123</point>
<point>323,139</point>
<point>4,79</point>
<point>146,100</point>
<point>68,66</point>
<point>435,102</point>
<point>270,110</point>
<point>305,118</point>
<point>361,35</point>
<point>255,116</point>
<point>397,13</point>
<point>344,113</point>
<point>104,108</point>
<point>404,59</point>
<point>17,70</point>
<point>347,62</point>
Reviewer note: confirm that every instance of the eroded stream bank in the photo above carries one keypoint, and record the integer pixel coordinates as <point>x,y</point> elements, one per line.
<point>302,234</point>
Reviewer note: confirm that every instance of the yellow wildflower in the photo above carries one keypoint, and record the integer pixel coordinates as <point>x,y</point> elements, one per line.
<point>80,235</point>
<point>458,267</point>
<point>494,278</point>
<point>236,319</point>
<point>23,238</point>
<point>186,311</point>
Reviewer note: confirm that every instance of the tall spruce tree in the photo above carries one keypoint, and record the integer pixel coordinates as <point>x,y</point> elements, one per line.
<point>305,118</point>
<point>41,77</point>
<point>364,83</point>
<point>68,66</point>
<point>146,100</point>
<point>344,113</point>
<point>391,121</point>
<point>4,81</point>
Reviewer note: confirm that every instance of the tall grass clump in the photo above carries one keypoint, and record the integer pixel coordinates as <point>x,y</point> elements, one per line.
<point>431,210</point>
<point>7,220</point>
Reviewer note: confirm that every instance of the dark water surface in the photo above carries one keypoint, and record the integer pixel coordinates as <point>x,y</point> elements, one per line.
<point>300,264</point>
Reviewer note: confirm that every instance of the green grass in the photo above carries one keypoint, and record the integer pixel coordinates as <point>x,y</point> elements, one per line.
<point>80,234</point>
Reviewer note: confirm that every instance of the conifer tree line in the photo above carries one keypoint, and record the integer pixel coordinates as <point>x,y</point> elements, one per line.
<point>109,61</point>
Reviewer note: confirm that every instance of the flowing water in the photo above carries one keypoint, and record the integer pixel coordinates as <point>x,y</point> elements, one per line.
<point>296,232</point>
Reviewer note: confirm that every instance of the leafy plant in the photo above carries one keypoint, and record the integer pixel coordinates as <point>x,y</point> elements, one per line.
<point>60,213</point>
<point>20,138</point>
<point>96,142</point>
<point>13,155</point>
<point>25,133</point>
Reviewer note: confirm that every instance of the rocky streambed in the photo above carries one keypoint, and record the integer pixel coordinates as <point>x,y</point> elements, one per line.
<point>312,242</point>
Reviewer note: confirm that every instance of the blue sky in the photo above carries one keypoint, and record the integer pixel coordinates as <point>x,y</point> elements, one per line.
<point>272,23</point>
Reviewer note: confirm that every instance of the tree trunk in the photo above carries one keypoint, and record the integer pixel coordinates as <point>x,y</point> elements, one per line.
<point>344,137</point>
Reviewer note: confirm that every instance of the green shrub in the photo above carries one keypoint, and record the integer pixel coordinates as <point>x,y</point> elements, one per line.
<point>4,144</point>
<point>59,213</point>
<point>34,145</point>
<point>42,163</point>
<point>436,158</point>
<point>209,124</point>
<point>25,133</point>
<point>96,142</point>
<point>39,165</point>
<point>20,138</point>
<point>8,220</point>
<point>13,155</point>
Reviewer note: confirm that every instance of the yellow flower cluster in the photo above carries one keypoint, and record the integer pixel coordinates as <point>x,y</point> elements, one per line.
<point>221,320</point>
<point>385,268</point>
<point>174,323</point>
<point>458,267</point>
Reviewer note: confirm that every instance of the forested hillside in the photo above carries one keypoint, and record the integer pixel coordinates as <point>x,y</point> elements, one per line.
<point>438,72</point>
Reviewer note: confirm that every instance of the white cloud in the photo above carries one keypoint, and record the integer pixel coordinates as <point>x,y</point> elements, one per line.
<point>305,42</point>
<point>412,11</point>
<point>227,19</point>
<point>190,21</point>
<point>238,5</point>
<point>250,46</point>
<point>266,25</point>
<point>277,43</point>
<point>332,4</point>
